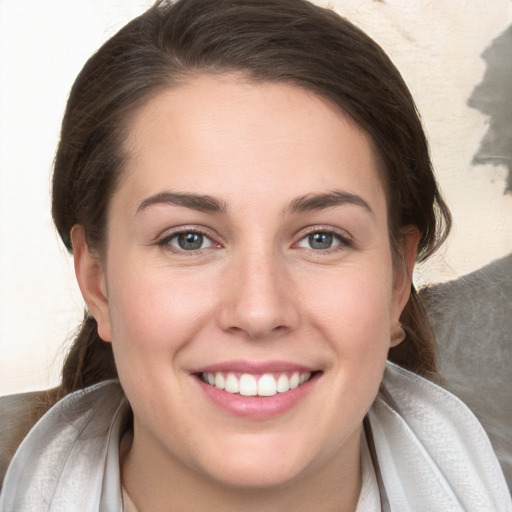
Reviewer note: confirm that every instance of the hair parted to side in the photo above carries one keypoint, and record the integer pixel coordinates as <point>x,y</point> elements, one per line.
<point>289,41</point>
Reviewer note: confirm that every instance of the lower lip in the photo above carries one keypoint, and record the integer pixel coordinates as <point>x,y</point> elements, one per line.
<point>257,407</point>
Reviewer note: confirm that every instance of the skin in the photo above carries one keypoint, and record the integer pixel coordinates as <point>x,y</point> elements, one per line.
<point>257,291</point>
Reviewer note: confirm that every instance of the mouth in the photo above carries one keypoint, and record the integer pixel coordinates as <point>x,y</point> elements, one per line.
<point>249,384</point>
<point>256,390</point>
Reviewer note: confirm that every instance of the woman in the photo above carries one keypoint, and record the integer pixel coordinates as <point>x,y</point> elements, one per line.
<point>245,186</point>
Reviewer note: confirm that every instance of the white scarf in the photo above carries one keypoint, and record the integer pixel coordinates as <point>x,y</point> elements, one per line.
<point>431,452</point>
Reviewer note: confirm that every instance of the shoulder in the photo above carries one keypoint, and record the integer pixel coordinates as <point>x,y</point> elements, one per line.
<point>64,455</point>
<point>18,414</point>
<point>432,452</point>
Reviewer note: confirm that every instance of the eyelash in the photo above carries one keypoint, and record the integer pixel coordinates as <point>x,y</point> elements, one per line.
<point>343,241</point>
<point>165,241</point>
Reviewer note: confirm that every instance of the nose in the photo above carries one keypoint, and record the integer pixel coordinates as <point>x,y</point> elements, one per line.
<point>258,300</point>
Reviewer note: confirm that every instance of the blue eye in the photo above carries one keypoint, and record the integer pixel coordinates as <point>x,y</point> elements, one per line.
<point>320,241</point>
<point>189,241</point>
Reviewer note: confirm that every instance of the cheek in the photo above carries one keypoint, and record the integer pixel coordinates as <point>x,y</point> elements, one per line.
<point>357,305</point>
<point>354,318</point>
<point>361,337</point>
<point>154,314</point>
<point>154,318</point>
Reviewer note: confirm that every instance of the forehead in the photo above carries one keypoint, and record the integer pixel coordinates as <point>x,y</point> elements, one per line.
<point>221,135</point>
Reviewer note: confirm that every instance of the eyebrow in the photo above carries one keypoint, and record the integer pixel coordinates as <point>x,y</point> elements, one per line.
<point>325,200</point>
<point>202,203</point>
<point>209,204</point>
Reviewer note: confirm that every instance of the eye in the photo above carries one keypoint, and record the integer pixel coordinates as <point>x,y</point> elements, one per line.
<point>188,241</point>
<point>320,241</point>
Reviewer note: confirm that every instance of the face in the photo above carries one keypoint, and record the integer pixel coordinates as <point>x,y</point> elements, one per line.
<point>247,285</point>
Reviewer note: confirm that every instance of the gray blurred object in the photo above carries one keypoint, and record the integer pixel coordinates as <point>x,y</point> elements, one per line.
<point>472,320</point>
<point>493,97</point>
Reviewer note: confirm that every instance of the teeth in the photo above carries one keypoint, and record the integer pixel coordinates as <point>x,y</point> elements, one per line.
<point>295,381</point>
<point>219,381</point>
<point>249,385</point>
<point>283,384</point>
<point>305,377</point>
<point>231,385</point>
<point>267,385</point>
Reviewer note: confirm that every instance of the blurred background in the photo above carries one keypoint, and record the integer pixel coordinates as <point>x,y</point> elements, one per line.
<point>456,56</point>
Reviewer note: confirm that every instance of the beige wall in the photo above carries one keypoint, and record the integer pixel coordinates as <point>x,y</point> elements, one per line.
<point>436,44</point>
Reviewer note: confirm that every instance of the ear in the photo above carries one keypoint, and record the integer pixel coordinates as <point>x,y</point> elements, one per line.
<point>403,271</point>
<point>91,278</point>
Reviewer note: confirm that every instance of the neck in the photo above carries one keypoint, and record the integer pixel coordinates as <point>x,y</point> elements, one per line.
<point>157,481</point>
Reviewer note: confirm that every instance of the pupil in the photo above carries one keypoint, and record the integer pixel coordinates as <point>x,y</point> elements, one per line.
<point>190,241</point>
<point>320,240</point>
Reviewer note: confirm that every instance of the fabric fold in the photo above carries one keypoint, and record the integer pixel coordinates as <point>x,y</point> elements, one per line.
<point>432,454</point>
<point>61,462</point>
<point>422,433</point>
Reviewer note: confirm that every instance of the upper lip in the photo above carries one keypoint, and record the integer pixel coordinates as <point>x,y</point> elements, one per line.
<point>254,367</point>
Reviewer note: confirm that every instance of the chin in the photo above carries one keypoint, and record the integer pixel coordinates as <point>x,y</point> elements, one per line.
<point>247,474</point>
<point>262,461</point>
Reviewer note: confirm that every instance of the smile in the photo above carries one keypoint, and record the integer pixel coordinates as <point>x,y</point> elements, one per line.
<point>247,384</point>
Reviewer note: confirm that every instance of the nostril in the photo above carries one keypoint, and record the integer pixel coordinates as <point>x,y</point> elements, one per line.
<point>257,304</point>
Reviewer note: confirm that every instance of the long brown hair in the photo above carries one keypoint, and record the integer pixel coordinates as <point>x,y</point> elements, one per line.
<point>290,41</point>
